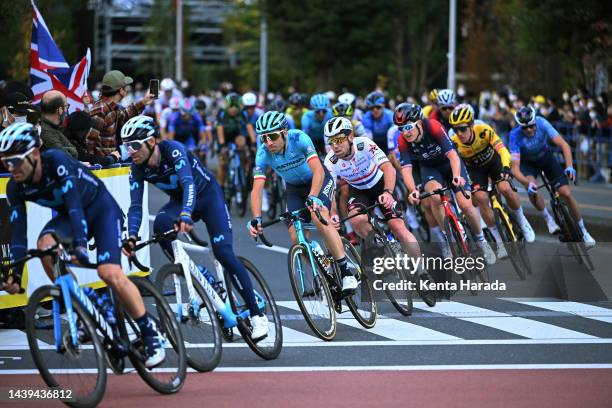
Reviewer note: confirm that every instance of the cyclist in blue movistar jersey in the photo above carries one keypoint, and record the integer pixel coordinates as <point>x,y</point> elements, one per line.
<point>314,120</point>
<point>186,127</point>
<point>531,155</point>
<point>84,209</point>
<point>194,195</point>
<point>377,120</point>
<point>291,154</point>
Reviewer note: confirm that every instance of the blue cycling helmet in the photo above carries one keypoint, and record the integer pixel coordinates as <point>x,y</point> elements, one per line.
<point>375,98</point>
<point>18,138</point>
<point>319,101</point>
<point>138,128</point>
<point>270,121</point>
<point>525,116</point>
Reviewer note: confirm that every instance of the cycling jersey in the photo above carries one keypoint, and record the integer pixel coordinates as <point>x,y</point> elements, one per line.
<point>185,131</point>
<point>362,171</point>
<point>257,112</point>
<point>290,164</point>
<point>80,199</point>
<point>532,148</point>
<point>378,127</point>
<point>431,150</point>
<point>179,174</point>
<point>296,114</point>
<point>232,125</point>
<point>314,128</point>
<point>483,147</point>
<point>163,102</point>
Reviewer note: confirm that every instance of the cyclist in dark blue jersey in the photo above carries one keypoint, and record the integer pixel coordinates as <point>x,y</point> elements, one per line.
<point>85,209</point>
<point>194,195</point>
<point>291,154</point>
<point>531,154</point>
<point>186,127</point>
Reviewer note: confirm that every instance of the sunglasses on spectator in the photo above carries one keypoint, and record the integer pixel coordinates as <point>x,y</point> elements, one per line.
<point>461,129</point>
<point>12,162</point>
<point>135,145</point>
<point>273,136</point>
<point>337,140</point>
<point>529,127</point>
<point>447,108</point>
<point>407,127</point>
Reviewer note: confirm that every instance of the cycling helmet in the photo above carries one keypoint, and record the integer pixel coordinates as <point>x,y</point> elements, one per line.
<point>406,112</point>
<point>375,98</point>
<point>277,105</point>
<point>335,126</point>
<point>249,99</point>
<point>295,99</point>
<point>347,98</point>
<point>167,84</point>
<point>445,97</point>
<point>433,95</point>
<point>138,128</point>
<point>462,115</point>
<point>525,116</point>
<point>18,138</point>
<point>199,105</point>
<point>319,101</point>
<point>174,103</point>
<point>270,121</point>
<point>232,99</point>
<point>342,109</point>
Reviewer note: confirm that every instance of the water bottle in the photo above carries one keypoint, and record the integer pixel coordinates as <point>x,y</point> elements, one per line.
<point>320,255</point>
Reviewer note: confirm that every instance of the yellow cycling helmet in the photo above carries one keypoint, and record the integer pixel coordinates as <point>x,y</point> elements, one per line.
<point>433,95</point>
<point>462,115</point>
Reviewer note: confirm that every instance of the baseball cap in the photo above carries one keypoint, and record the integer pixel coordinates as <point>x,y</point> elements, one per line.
<point>18,102</point>
<point>115,80</point>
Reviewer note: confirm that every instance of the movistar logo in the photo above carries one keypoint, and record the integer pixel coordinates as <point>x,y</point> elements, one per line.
<point>134,185</point>
<point>179,165</point>
<point>104,257</point>
<point>14,215</point>
<point>67,186</point>
<point>218,239</point>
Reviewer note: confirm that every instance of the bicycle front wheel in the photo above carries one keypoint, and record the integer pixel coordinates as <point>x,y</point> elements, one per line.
<point>362,304</point>
<point>401,299</point>
<point>69,368</point>
<point>312,293</point>
<point>199,325</point>
<point>169,376</point>
<point>510,242</point>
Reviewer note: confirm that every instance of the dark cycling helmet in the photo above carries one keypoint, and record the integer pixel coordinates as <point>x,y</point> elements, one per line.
<point>319,101</point>
<point>406,112</point>
<point>525,116</point>
<point>277,105</point>
<point>342,109</point>
<point>199,104</point>
<point>295,99</point>
<point>375,98</point>
<point>270,121</point>
<point>232,99</point>
<point>18,138</point>
<point>304,100</point>
<point>138,128</point>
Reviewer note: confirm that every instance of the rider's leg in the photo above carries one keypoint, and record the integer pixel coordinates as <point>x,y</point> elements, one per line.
<point>473,219</point>
<point>538,202</point>
<point>435,203</point>
<point>566,195</point>
<point>513,200</point>
<point>164,221</point>
<point>360,223</point>
<point>222,166</point>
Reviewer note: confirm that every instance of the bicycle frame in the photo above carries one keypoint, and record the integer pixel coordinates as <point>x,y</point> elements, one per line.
<point>451,211</point>
<point>301,237</point>
<point>496,204</point>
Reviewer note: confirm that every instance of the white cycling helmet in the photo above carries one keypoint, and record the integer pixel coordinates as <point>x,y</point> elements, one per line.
<point>347,98</point>
<point>337,125</point>
<point>249,99</point>
<point>167,84</point>
<point>446,97</point>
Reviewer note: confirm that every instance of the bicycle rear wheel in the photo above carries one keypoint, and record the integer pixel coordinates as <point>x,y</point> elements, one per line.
<point>510,242</point>
<point>362,304</point>
<point>521,243</point>
<point>457,244</point>
<point>574,236</point>
<point>68,369</point>
<point>169,376</point>
<point>401,299</point>
<point>200,328</point>
<point>312,293</point>
<point>269,347</point>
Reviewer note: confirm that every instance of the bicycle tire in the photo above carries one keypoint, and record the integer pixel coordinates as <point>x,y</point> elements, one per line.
<point>511,244</point>
<point>319,288</point>
<point>576,243</point>
<point>43,362</point>
<point>370,304</point>
<point>403,305</point>
<point>423,230</point>
<point>210,328</point>
<point>458,248</point>
<point>522,243</point>
<point>243,189</point>
<point>169,327</point>
<point>472,275</point>
<point>270,347</point>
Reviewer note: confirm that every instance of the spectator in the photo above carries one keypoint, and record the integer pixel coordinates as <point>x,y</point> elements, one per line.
<point>112,113</point>
<point>54,108</point>
<point>79,127</point>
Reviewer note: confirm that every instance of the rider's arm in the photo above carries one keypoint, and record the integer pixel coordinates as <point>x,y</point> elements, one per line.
<point>455,162</point>
<point>259,180</point>
<point>515,155</point>
<point>251,131</point>
<point>388,175</point>
<point>318,175</point>
<point>74,207</point>
<point>406,162</point>
<point>135,211</point>
<point>183,171</point>
<point>18,221</point>
<point>171,130</point>
<point>305,121</point>
<point>220,135</point>
<point>565,149</point>
<point>500,148</point>
<point>408,179</point>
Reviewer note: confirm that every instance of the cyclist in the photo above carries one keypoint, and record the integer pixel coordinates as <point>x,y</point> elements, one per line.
<point>251,112</point>
<point>531,155</point>
<point>314,120</point>
<point>169,91</point>
<point>377,120</point>
<point>486,157</point>
<point>174,105</point>
<point>350,99</point>
<point>429,109</point>
<point>296,109</point>
<point>206,144</point>
<point>291,154</point>
<point>84,209</point>
<point>194,195</point>
<point>371,179</point>
<point>446,101</point>
<point>280,105</point>
<point>186,127</point>
<point>426,140</point>
<point>345,110</point>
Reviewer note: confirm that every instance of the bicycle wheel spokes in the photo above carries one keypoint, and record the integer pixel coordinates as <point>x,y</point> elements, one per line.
<point>362,304</point>
<point>312,294</point>
<point>199,324</point>
<point>400,298</point>
<point>169,376</point>
<point>79,368</point>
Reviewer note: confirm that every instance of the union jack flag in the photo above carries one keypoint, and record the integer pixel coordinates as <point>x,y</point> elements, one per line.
<point>49,69</point>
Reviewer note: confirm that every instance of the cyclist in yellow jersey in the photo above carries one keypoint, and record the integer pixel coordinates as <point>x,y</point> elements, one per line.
<point>486,158</point>
<point>296,109</point>
<point>433,97</point>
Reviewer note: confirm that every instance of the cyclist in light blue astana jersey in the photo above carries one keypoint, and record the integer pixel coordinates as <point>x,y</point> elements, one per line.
<point>291,154</point>
<point>314,120</point>
<point>531,155</point>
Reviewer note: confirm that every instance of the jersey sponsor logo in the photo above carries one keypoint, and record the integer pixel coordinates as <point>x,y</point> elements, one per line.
<point>172,185</point>
<point>61,170</point>
<point>190,195</point>
<point>14,215</point>
<point>87,177</point>
<point>176,153</point>
<point>67,186</point>
<point>373,148</point>
<point>328,189</point>
<point>289,165</point>
<point>134,185</point>
<point>104,257</point>
<point>218,239</point>
<point>179,165</point>
<point>360,145</point>
<point>334,159</point>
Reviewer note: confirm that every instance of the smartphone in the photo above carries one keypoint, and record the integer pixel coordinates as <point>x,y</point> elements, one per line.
<point>154,87</point>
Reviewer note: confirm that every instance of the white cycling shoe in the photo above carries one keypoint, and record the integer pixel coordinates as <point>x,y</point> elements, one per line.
<point>552,226</point>
<point>501,251</point>
<point>260,327</point>
<point>589,241</point>
<point>349,283</point>
<point>487,252</point>
<point>527,230</point>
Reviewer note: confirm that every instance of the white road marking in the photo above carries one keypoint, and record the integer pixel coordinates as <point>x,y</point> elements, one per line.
<point>579,309</point>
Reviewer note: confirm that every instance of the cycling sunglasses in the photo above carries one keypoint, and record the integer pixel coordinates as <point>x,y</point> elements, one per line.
<point>376,107</point>
<point>320,111</point>
<point>334,140</point>
<point>529,126</point>
<point>447,108</point>
<point>407,127</point>
<point>12,162</point>
<point>461,129</point>
<point>272,136</point>
<point>135,145</point>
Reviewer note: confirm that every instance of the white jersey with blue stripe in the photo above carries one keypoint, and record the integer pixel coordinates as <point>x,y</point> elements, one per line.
<point>361,171</point>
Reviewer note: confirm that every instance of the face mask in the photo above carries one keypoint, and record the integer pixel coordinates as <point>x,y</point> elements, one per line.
<point>503,105</point>
<point>424,100</point>
<point>566,96</point>
<point>593,115</point>
<point>590,105</point>
<point>21,119</point>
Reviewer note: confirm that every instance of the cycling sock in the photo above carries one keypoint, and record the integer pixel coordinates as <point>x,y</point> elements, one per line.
<point>480,237</point>
<point>145,326</point>
<point>343,265</point>
<point>519,213</point>
<point>581,224</point>
<point>496,235</point>
<point>545,213</point>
